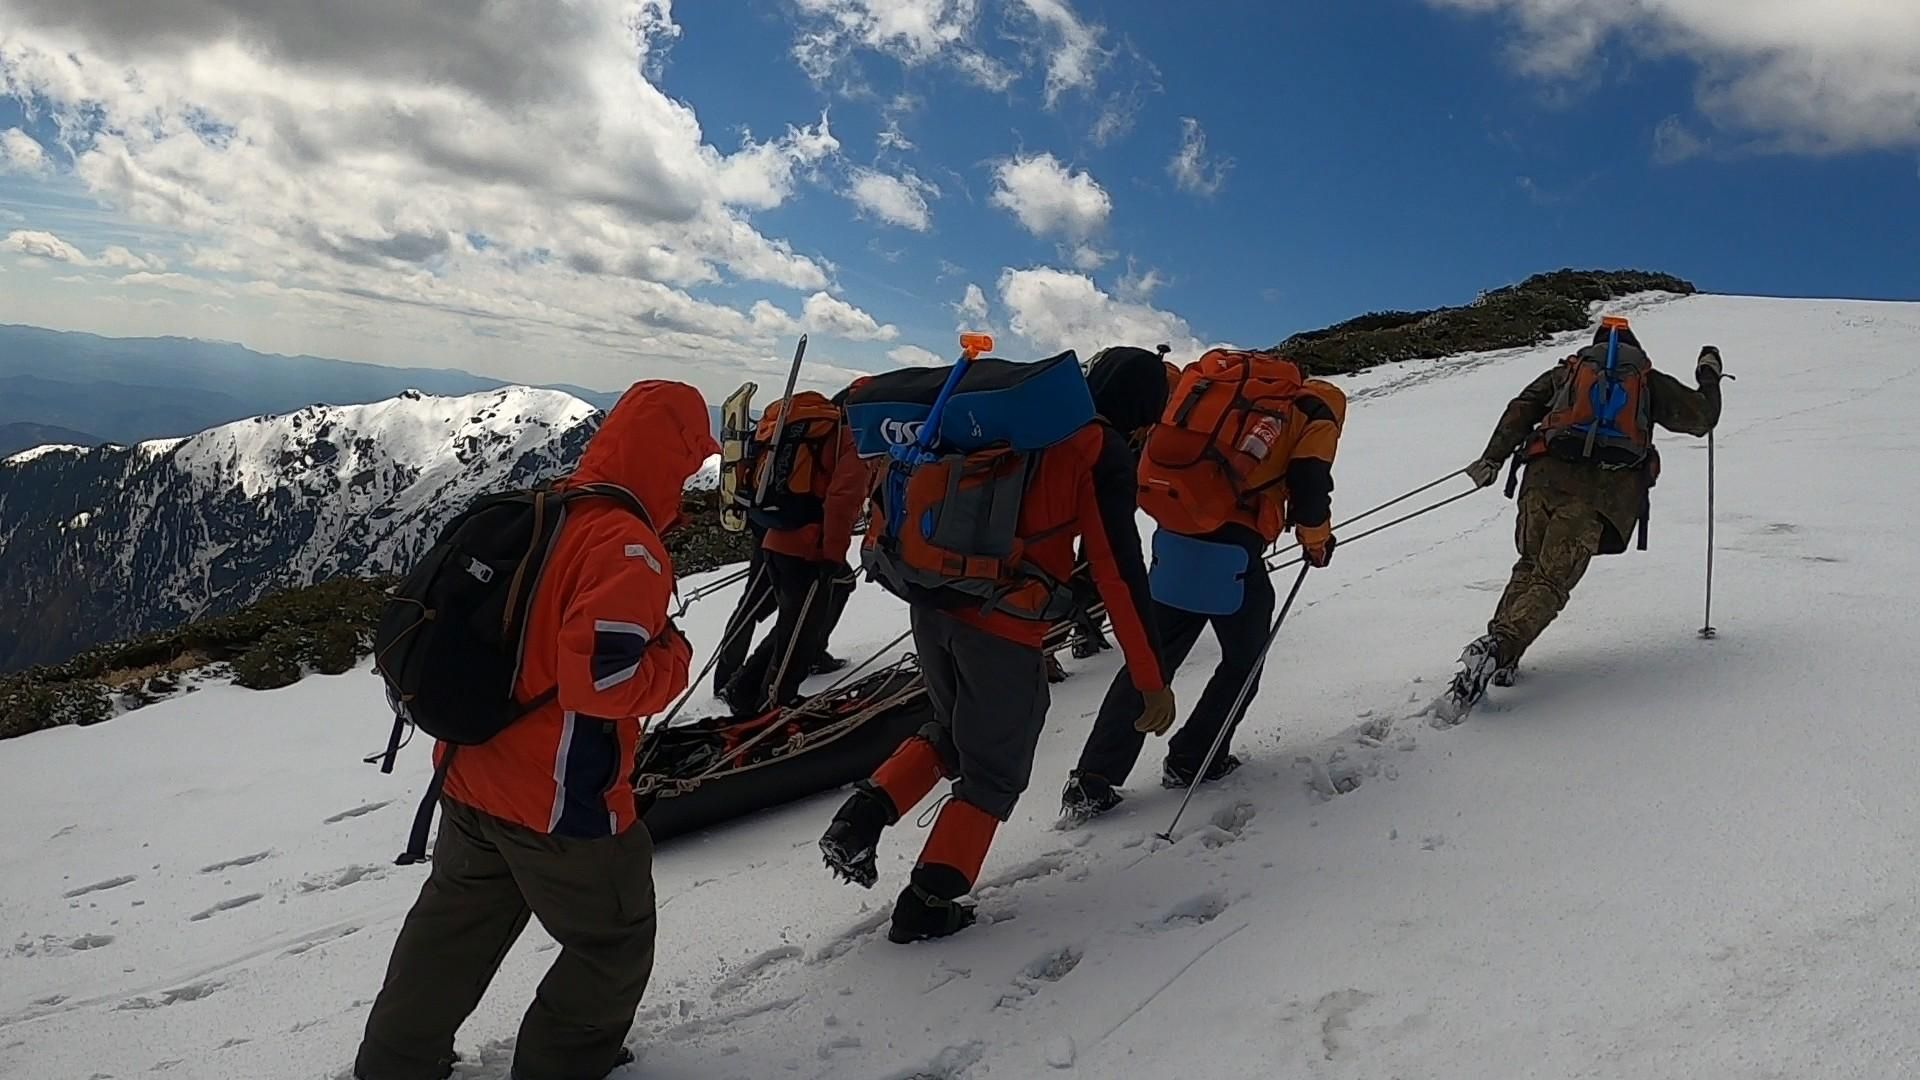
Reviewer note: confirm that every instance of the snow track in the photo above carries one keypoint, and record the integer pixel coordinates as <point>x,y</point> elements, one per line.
<point>1655,857</point>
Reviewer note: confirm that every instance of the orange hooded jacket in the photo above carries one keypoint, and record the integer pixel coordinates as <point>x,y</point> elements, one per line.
<point>598,631</point>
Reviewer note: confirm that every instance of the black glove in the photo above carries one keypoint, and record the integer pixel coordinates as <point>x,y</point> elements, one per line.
<point>1709,370</point>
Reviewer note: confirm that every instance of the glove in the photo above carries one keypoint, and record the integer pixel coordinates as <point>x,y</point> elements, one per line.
<point>1708,370</point>
<point>1483,473</point>
<point>1157,717</point>
<point>1317,544</point>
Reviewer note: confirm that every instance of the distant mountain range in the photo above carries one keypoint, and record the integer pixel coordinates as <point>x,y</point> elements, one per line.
<point>18,436</point>
<point>105,543</point>
<point>127,390</point>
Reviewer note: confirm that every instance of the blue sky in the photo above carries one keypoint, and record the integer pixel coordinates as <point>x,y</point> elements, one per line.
<point>575,198</point>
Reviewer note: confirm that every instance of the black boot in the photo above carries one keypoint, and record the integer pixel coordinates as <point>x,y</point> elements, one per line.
<point>827,664</point>
<point>1177,774</point>
<point>1055,673</point>
<point>930,906</point>
<point>1087,796</point>
<point>852,841</point>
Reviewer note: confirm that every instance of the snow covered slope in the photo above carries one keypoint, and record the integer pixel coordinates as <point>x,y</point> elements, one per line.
<point>102,544</point>
<point>1657,857</point>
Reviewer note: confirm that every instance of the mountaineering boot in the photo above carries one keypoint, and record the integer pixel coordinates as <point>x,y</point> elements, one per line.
<point>929,907</point>
<point>1089,643</point>
<point>1087,796</point>
<point>1508,675</point>
<point>1055,673</point>
<point>1177,775</point>
<point>827,664</point>
<point>851,843</point>
<point>1478,664</point>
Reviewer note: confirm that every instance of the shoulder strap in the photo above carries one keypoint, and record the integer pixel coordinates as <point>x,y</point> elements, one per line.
<point>627,499</point>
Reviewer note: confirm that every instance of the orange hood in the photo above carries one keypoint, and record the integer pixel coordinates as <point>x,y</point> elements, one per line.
<point>656,436</point>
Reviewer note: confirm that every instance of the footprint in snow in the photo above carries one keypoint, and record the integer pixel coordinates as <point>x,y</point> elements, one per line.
<point>746,974</point>
<point>1054,965</point>
<point>99,886</point>
<point>191,992</point>
<point>949,1064</point>
<point>340,879</point>
<point>315,942</point>
<point>1335,1011</point>
<point>236,863</point>
<point>1196,911</point>
<point>227,905</point>
<point>358,811</point>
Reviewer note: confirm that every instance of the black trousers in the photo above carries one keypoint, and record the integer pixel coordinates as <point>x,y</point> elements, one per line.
<point>809,597</point>
<point>1115,745</point>
<point>757,604</point>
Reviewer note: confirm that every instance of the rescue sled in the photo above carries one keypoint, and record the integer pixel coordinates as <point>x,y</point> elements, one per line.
<point>698,775</point>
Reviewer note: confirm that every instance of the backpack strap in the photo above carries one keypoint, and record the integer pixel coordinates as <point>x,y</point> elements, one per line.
<point>423,817</point>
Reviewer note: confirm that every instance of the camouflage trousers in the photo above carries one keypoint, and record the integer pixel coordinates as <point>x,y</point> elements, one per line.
<point>1557,538</point>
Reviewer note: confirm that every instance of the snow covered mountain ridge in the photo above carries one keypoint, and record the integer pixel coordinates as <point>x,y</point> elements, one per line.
<point>100,544</point>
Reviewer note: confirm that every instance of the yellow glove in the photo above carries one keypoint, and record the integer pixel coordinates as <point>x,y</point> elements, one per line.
<point>1157,717</point>
<point>1316,544</point>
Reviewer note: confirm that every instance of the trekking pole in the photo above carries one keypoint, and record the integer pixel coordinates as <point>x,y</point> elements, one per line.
<point>793,643</point>
<point>1707,632</point>
<point>708,589</point>
<point>1402,520</point>
<point>745,626</point>
<point>1239,704</point>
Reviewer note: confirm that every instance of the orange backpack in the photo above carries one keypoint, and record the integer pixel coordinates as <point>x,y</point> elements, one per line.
<point>797,476</point>
<point>960,545</point>
<point>1602,412</point>
<point>1222,421</point>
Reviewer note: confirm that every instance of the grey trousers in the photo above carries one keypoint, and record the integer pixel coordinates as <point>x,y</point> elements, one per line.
<point>989,699</point>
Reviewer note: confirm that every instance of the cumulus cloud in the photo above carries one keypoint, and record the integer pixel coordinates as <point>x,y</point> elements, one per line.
<point>897,200</point>
<point>915,356</point>
<point>914,32</point>
<point>830,315</point>
<point>1071,46</point>
<point>1192,170</point>
<point>1058,309</point>
<point>1049,199</point>
<point>43,245</point>
<point>972,308</point>
<point>22,153</point>
<point>1840,75</point>
<point>430,168</point>
<point>1056,40</point>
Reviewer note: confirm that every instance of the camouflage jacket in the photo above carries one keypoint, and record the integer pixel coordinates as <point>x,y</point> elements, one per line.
<point>1616,496</point>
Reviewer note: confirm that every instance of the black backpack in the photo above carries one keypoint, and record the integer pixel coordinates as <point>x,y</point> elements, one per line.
<point>450,639</point>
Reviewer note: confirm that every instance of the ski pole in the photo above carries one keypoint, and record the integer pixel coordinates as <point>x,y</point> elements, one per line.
<point>1239,704</point>
<point>1402,520</point>
<point>793,645</point>
<point>1707,632</point>
<point>745,626</point>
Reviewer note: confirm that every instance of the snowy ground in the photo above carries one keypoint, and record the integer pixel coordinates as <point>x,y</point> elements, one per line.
<point>1656,857</point>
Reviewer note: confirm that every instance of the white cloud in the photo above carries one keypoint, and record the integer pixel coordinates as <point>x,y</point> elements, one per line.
<point>495,183</point>
<point>119,258</point>
<point>972,308</point>
<point>1055,40</point>
<point>914,32</point>
<point>830,315</point>
<point>1049,199</point>
<point>1088,257</point>
<point>1139,285</point>
<point>1058,309</point>
<point>915,356</point>
<point>1674,142</point>
<point>43,245</point>
<point>1834,76</point>
<point>1191,169</point>
<point>896,200</point>
<point>1073,54</point>
<point>22,153</point>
